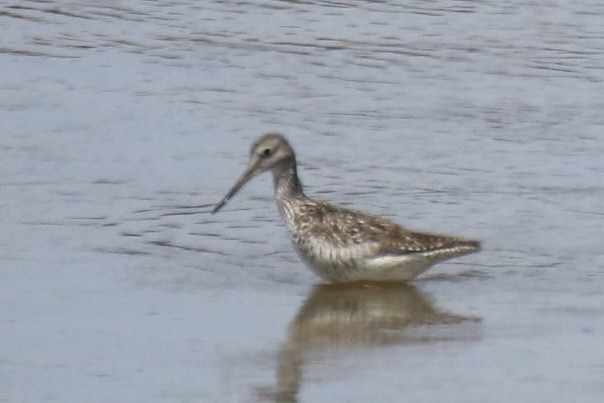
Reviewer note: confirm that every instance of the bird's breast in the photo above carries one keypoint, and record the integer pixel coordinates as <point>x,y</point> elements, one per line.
<point>331,260</point>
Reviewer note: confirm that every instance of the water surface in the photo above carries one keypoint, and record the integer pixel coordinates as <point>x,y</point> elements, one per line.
<point>124,121</point>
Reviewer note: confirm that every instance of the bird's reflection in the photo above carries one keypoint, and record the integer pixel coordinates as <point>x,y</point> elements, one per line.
<point>358,315</point>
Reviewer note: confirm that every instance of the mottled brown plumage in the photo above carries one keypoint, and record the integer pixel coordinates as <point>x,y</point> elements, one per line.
<point>341,244</point>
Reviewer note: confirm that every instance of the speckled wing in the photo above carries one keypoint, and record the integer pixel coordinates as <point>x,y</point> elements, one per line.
<point>345,227</point>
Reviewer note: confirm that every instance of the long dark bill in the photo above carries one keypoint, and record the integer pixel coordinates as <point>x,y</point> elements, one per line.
<point>246,176</point>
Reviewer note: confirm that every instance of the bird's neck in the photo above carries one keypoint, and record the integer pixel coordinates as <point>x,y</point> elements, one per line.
<point>287,183</point>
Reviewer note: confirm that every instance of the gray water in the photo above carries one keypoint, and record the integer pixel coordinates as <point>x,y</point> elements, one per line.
<point>122,121</point>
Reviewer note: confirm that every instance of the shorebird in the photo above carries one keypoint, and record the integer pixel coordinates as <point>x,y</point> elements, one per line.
<point>340,244</point>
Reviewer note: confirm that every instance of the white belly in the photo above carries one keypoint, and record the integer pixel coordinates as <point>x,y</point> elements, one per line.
<point>360,263</point>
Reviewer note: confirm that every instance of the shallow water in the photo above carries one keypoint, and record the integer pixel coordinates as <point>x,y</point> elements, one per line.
<point>124,121</point>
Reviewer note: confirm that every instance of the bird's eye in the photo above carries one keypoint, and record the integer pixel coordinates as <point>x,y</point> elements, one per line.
<point>266,152</point>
